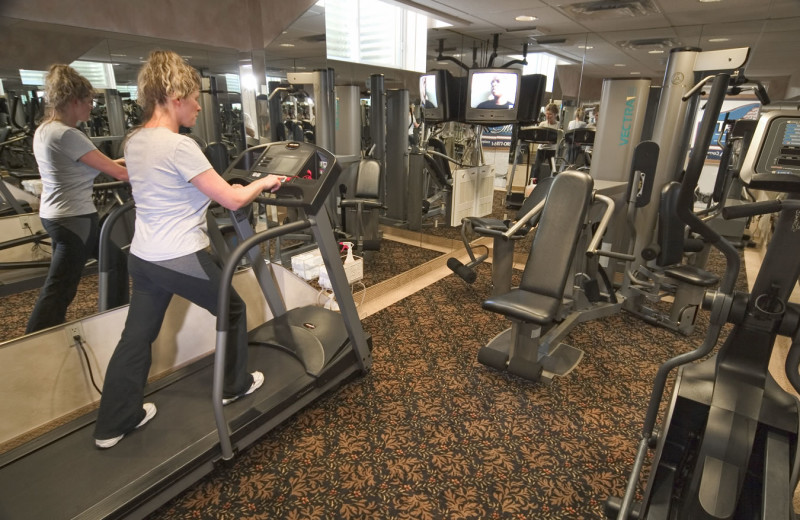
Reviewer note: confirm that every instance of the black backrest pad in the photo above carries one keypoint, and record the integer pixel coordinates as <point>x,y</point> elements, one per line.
<point>444,165</point>
<point>671,229</point>
<point>368,179</point>
<point>557,236</point>
<point>537,195</point>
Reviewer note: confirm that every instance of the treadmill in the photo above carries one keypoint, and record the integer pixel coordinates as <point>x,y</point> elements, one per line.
<point>303,352</point>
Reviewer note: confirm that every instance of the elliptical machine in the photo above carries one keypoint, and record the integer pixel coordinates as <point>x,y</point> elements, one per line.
<point>728,444</point>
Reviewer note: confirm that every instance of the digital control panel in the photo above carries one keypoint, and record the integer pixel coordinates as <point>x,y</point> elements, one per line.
<point>781,147</point>
<point>308,172</point>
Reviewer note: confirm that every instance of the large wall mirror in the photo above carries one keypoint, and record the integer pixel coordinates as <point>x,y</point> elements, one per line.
<point>299,48</point>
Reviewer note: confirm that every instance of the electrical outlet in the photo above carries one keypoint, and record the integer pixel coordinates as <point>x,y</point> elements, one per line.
<point>71,331</point>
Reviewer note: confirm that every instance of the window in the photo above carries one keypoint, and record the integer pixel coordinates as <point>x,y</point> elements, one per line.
<point>376,33</point>
<point>100,75</point>
<point>543,63</point>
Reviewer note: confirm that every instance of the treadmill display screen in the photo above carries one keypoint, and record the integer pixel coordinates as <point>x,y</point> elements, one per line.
<point>781,151</point>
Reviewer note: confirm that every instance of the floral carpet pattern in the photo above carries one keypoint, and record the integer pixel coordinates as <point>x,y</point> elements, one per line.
<point>429,433</point>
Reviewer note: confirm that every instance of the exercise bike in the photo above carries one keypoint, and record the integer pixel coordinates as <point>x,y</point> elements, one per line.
<point>727,448</point>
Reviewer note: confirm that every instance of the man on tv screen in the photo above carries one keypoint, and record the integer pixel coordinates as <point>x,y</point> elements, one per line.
<point>498,96</point>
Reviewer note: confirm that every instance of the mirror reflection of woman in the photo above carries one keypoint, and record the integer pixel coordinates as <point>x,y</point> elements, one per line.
<point>68,164</point>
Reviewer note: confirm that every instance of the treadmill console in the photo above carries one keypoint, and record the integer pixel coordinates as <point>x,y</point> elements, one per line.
<point>310,172</point>
<point>772,161</point>
<point>538,134</point>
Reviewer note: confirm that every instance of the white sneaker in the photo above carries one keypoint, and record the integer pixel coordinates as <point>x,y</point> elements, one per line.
<point>149,413</point>
<point>258,380</point>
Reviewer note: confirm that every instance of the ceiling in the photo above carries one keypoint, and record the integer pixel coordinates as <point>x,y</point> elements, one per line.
<point>605,38</point>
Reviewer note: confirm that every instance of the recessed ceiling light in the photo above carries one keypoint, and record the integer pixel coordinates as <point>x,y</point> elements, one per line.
<point>655,51</point>
<point>119,55</point>
<point>635,73</point>
<point>708,1</point>
<point>717,40</point>
<point>585,47</point>
<point>619,64</point>
<point>525,18</point>
<point>286,45</point>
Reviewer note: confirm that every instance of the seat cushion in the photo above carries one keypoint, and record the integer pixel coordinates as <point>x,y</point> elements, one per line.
<point>524,306</point>
<point>692,275</point>
<point>488,223</point>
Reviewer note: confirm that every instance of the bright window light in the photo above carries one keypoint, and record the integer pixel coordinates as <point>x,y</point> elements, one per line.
<point>130,89</point>
<point>543,63</point>
<point>32,77</point>
<point>235,82</point>
<point>376,33</point>
<point>100,75</point>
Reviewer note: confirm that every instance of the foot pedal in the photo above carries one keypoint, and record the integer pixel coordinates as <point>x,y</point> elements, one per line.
<point>464,272</point>
<point>530,370</point>
<point>490,357</point>
<point>592,290</point>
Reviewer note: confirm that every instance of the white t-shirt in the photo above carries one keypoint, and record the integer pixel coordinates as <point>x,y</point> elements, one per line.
<point>170,210</point>
<point>576,124</point>
<point>66,182</point>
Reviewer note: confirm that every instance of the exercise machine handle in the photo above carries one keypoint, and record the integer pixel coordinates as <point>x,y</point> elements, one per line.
<point>692,176</point>
<point>524,220</point>
<point>751,210</point>
<point>612,254</point>
<point>602,225</point>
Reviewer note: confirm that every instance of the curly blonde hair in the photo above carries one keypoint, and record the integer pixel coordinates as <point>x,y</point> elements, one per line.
<point>164,75</point>
<point>63,84</point>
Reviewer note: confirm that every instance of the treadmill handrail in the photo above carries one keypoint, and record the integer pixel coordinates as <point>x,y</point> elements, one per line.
<point>104,254</point>
<point>223,304</point>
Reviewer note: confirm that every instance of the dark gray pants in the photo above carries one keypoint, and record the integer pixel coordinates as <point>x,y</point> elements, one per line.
<point>74,241</point>
<point>194,277</point>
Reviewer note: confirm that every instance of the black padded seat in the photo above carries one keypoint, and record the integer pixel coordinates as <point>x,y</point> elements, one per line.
<point>525,306</point>
<point>548,266</point>
<point>364,204</point>
<point>692,275</point>
<point>367,189</point>
<point>538,194</point>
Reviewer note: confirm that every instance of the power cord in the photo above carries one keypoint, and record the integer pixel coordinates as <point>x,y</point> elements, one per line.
<point>79,345</point>
<point>330,299</point>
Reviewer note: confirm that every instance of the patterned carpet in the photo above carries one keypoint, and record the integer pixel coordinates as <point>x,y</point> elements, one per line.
<point>431,434</point>
<point>18,307</point>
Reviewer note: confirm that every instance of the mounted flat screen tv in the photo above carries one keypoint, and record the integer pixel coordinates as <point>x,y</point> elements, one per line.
<point>492,96</point>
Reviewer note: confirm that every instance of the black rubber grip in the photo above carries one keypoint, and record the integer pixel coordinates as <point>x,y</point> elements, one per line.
<point>750,210</point>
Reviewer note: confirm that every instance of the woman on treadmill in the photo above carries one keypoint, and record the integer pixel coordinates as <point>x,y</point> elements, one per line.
<point>173,184</point>
<point>68,164</point>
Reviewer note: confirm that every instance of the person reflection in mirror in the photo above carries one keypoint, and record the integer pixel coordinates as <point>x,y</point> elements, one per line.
<point>413,128</point>
<point>428,95</point>
<point>546,150</point>
<point>173,184</point>
<point>249,130</point>
<point>578,122</point>
<point>497,96</point>
<point>68,164</point>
